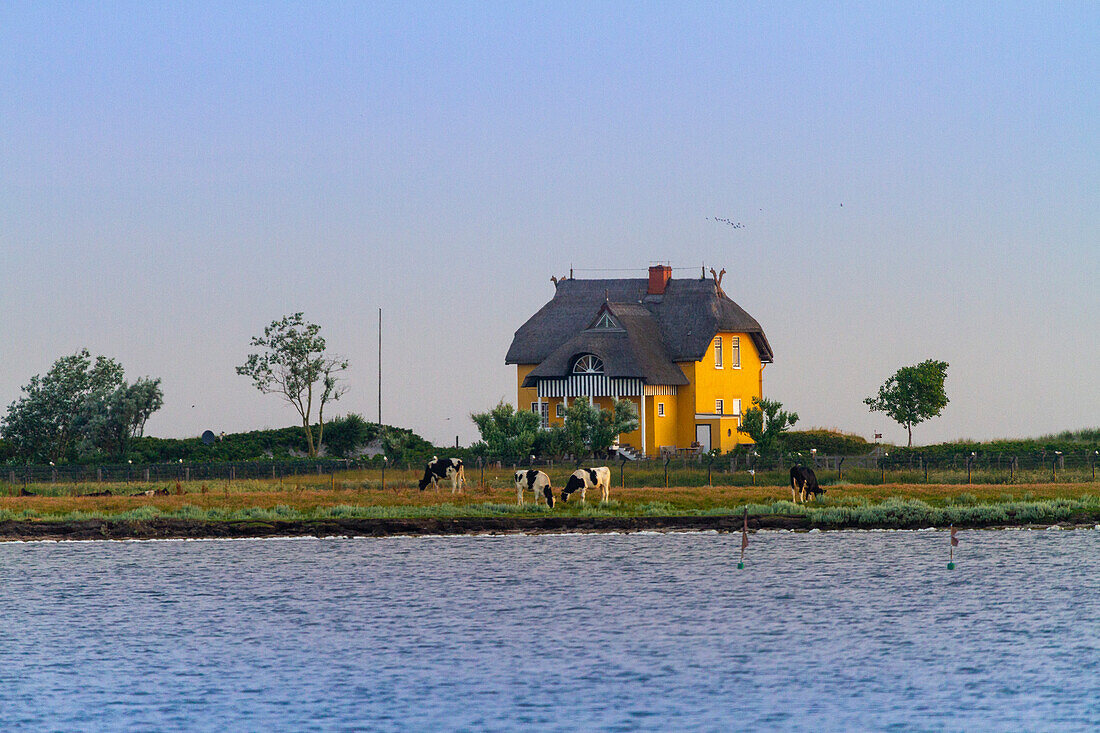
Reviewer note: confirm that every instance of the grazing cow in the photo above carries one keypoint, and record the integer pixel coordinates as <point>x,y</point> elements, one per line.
<point>588,478</point>
<point>438,469</point>
<point>804,482</point>
<point>535,481</point>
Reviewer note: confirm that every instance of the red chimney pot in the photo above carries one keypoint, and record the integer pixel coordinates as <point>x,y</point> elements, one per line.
<point>659,275</point>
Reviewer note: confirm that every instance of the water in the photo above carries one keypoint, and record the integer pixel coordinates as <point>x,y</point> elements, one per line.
<point>821,631</point>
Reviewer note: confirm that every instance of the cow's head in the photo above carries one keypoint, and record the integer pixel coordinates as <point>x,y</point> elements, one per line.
<point>548,492</point>
<point>423,483</point>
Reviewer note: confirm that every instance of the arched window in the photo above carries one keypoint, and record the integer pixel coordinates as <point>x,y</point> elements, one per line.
<point>588,364</point>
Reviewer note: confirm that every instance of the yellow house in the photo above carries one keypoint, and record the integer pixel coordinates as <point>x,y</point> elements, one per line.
<point>687,356</point>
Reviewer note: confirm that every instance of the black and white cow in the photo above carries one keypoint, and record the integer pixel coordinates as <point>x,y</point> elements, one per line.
<point>588,478</point>
<point>535,481</point>
<point>438,469</point>
<point>804,484</point>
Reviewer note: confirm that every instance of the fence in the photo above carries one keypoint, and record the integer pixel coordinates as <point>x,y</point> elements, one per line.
<point>875,468</point>
<point>737,469</point>
<point>155,472</point>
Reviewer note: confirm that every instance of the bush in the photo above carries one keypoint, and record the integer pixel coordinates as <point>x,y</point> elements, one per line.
<point>827,442</point>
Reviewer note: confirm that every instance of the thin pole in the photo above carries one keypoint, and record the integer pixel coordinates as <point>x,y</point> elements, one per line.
<point>379,366</point>
<point>744,539</point>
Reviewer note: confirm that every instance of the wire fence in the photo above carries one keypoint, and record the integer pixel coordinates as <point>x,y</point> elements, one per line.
<point>181,471</point>
<point>739,469</point>
<point>753,469</point>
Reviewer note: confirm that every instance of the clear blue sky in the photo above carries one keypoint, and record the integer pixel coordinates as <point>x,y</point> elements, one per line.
<point>915,181</point>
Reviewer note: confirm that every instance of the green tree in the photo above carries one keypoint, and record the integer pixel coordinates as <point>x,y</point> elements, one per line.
<point>913,395</point>
<point>347,433</point>
<point>591,429</point>
<point>109,421</point>
<point>506,432</point>
<point>42,425</point>
<point>293,364</point>
<point>765,421</point>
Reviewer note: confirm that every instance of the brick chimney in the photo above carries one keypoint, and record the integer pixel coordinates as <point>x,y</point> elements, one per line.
<point>659,275</point>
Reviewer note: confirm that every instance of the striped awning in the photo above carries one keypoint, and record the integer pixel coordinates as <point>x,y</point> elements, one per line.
<point>600,385</point>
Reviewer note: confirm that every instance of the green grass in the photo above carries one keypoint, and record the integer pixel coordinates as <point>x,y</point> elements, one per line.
<point>847,512</point>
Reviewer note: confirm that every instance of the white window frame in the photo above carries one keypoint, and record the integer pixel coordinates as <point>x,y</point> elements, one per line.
<point>660,409</point>
<point>542,409</point>
<point>717,352</point>
<point>606,322</point>
<point>735,352</point>
<point>718,407</point>
<point>559,410</point>
<point>736,404</point>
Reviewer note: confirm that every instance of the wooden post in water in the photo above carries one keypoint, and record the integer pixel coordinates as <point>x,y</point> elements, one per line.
<point>954,543</point>
<point>744,539</point>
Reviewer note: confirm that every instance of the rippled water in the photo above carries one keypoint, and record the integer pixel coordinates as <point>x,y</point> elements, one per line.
<point>821,631</point>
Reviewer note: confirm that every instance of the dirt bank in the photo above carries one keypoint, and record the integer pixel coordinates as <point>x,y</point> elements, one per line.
<point>98,529</point>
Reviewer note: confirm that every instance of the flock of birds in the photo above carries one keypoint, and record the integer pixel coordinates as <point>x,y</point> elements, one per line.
<point>735,224</point>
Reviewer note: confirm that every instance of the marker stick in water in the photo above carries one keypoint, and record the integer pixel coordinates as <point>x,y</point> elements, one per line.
<point>954,544</point>
<point>744,539</point>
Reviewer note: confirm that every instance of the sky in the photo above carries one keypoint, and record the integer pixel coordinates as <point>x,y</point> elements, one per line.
<point>913,180</point>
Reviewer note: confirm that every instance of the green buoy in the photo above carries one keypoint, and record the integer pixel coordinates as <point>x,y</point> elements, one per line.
<point>740,566</point>
<point>950,566</point>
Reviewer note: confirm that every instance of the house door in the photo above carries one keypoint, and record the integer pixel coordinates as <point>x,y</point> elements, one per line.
<point>702,437</point>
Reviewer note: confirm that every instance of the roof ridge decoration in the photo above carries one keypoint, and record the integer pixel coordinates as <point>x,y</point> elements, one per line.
<point>718,281</point>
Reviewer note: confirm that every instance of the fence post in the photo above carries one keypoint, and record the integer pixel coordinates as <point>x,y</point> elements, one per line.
<point>667,459</point>
<point>840,468</point>
<point>385,460</point>
<point>481,468</point>
<point>622,466</point>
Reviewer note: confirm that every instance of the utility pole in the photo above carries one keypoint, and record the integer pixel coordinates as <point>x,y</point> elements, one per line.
<point>380,367</point>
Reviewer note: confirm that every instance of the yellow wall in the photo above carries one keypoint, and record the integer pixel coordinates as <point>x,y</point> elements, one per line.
<point>706,384</point>
<point>526,395</point>
<point>709,383</point>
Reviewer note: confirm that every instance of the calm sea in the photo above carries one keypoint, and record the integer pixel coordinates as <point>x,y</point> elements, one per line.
<point>820,631</point>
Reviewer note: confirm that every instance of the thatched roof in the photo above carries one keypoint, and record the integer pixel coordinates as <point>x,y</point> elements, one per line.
<point>656,330</point>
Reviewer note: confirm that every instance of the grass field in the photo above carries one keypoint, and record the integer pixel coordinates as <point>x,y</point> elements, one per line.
<point>360,494</point>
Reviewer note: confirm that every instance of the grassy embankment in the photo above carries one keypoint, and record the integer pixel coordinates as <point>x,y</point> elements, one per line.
<point>358,495</point>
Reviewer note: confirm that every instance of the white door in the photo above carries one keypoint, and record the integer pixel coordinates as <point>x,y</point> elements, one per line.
<point>702,437</point>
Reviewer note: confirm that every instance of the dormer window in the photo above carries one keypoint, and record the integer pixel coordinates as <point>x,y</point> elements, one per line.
<point>588,364</point>
<point>606,322</point>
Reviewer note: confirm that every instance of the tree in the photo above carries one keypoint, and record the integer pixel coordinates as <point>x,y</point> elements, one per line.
<point>621,418</point>
<point>42,425</point>
<point>913,395</point>
<point>347,433</point>
<point>108,422</point>
<point>506,432</point>
<point>765,421</point>
<point>294,365</point>
<point>590,429</point>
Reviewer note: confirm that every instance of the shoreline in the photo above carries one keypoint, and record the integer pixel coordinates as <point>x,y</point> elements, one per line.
<point>164,528</point>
